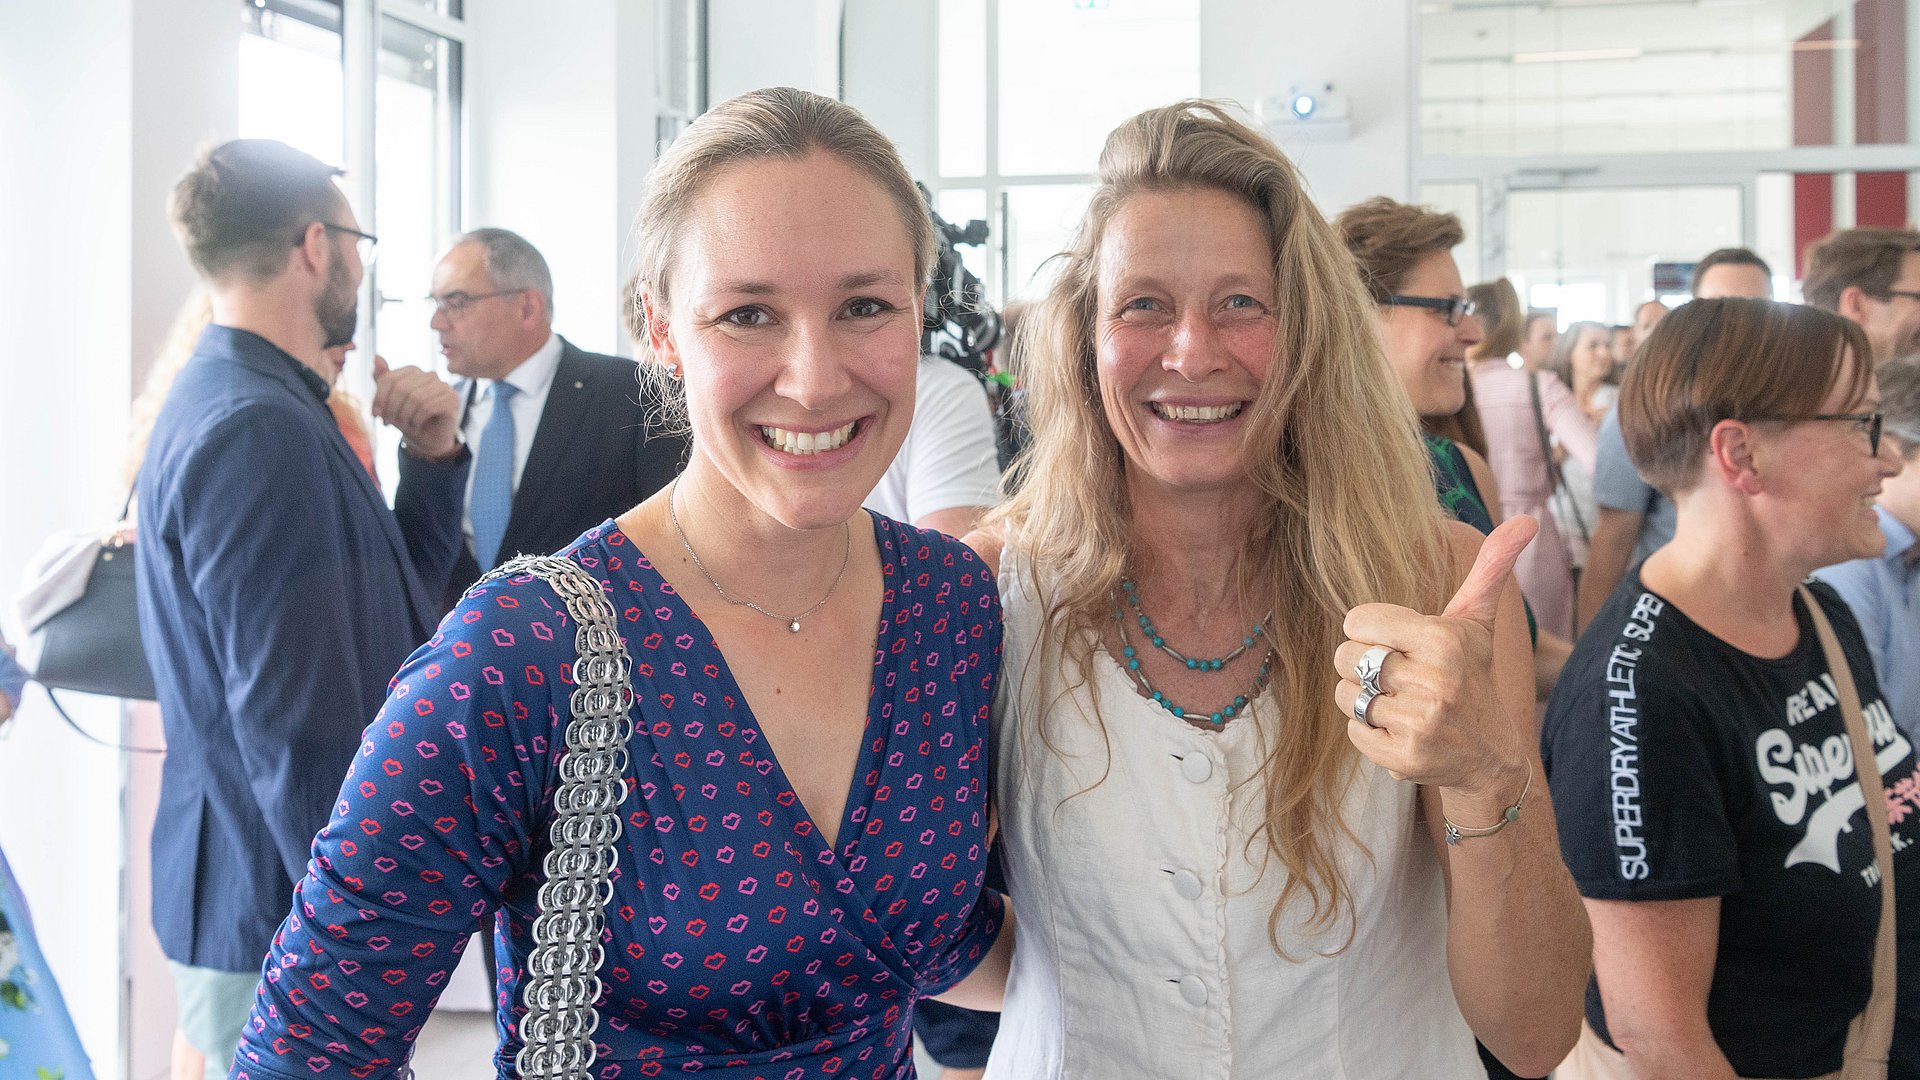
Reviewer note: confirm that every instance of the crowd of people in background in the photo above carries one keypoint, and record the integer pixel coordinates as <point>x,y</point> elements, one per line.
<point>1356,672</point>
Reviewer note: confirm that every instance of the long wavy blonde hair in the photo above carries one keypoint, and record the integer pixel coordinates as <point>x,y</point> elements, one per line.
<point>1347,516</point>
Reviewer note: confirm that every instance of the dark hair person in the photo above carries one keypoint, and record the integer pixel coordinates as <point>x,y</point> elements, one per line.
<point>1218,835</point>
<point>1704,764</point>
<point>804,787</point>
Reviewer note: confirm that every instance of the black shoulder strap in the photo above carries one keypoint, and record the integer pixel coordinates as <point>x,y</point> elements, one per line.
<point>1556,483</point>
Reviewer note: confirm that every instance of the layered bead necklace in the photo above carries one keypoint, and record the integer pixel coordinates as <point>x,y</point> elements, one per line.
<point>1155,639</point>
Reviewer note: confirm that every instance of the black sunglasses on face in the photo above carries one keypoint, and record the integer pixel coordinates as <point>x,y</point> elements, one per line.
<point>1874,423</point>
<point>1454,308</point>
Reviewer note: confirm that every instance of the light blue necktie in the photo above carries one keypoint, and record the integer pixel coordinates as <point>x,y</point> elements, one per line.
<point>493,479</point>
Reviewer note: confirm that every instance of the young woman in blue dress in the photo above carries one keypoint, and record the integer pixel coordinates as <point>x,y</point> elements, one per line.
<point>806,817</point>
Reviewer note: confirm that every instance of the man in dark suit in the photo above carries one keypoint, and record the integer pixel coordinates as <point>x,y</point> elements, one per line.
<point>560,436</point>
<point>278,593</point>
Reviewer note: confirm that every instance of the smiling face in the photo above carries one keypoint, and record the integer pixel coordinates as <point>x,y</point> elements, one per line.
<point>1824,479</point>
<point>794,320</point>
<point>1183,333</point>
<point>1429,356</point>
<point>1593,354</point>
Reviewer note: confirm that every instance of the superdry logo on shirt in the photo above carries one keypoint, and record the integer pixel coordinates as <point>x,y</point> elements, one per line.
<point>1623,727</point>
<point>1814,782</point>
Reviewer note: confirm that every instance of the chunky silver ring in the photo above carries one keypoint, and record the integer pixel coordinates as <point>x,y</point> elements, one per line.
<point>1363,703</point>
<point>1368,669</point>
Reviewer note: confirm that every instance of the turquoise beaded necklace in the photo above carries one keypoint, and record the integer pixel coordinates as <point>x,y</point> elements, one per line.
<point>1153,636</point>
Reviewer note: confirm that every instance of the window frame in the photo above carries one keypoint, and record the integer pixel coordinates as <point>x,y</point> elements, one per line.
<point>1497,175</point>
<point>993,183</point>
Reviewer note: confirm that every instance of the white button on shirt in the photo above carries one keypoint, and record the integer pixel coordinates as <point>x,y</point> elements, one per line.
<point>1187,884</point>
<point>1197,767</point>
<point>1193,991</point>
<point>533,378</point>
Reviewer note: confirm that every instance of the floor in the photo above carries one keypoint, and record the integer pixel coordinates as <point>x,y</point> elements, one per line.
<point>457,1045</point>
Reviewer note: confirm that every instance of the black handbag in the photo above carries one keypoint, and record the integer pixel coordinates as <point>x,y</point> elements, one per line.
<point>92,645</point>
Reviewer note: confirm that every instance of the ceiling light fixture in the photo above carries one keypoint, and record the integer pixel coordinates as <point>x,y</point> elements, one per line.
<point>1567,56</point>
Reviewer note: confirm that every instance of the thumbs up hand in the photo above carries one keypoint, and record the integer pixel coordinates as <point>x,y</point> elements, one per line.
<point>1437,719</point>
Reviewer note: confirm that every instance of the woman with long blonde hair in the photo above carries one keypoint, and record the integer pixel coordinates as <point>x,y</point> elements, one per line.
<point>1223,714</point>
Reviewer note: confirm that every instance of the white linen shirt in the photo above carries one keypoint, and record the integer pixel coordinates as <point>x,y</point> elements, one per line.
<point>533,377</point>
<point>1143,892</point>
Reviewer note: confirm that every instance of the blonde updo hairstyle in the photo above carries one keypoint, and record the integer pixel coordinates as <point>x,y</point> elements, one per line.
<point>778,122</point>
<point>1332,530</point>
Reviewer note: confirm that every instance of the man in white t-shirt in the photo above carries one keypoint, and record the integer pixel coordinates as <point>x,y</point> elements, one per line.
<point>947,473</point>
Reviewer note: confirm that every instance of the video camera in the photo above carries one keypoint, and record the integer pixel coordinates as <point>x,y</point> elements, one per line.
<point>957,323</point>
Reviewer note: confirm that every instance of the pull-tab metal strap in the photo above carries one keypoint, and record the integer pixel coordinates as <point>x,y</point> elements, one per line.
<point>563,971</point>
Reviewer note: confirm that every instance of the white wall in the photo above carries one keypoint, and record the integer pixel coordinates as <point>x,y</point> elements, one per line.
<point>755,43</point>
<point>891,68</point>
<point>64,314</point>
<point>545,142</point>
<point>1250,50</point>
<point>1253,49</point>
<point>102,105</point>
<point>635,95</point>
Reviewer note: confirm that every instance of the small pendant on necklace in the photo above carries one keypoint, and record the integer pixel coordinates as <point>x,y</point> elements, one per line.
<point>793,627</point>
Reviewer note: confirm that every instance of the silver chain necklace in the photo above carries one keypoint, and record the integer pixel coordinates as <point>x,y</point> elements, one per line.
<point>792,621</point>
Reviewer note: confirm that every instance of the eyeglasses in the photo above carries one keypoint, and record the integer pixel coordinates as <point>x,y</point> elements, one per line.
<point>456,302</point>
<point>367,243</point>
<point>1874,422</point>
<point>1908,293</point>
<point>1454,308</point>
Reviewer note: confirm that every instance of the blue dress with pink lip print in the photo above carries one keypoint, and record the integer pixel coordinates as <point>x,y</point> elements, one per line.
<point>739,944</point>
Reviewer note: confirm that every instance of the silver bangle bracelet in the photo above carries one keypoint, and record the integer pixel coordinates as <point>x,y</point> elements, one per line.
<point>1456,833</point>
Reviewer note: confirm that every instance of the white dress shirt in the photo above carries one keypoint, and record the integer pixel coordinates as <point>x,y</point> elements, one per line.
<point>532,378</point>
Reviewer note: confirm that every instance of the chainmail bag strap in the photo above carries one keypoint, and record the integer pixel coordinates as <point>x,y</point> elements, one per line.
<point>563,972</point>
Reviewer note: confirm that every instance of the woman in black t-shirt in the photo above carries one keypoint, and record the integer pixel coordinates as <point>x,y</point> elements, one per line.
<point>1700,765</point>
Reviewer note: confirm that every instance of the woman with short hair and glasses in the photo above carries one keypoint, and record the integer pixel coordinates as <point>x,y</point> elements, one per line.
<point>1427,323</point>
<point>1702,759</point>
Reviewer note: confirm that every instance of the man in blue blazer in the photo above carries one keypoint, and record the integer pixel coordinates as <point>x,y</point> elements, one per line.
<point>278,593</point>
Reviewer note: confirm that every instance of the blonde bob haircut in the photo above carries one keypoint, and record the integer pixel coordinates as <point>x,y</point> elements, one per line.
<point>1731,359</point>
<point>1328,534</point>
<point>778,122</point>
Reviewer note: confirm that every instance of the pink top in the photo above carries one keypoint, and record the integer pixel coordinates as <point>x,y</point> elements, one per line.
<point>1513,440</point>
